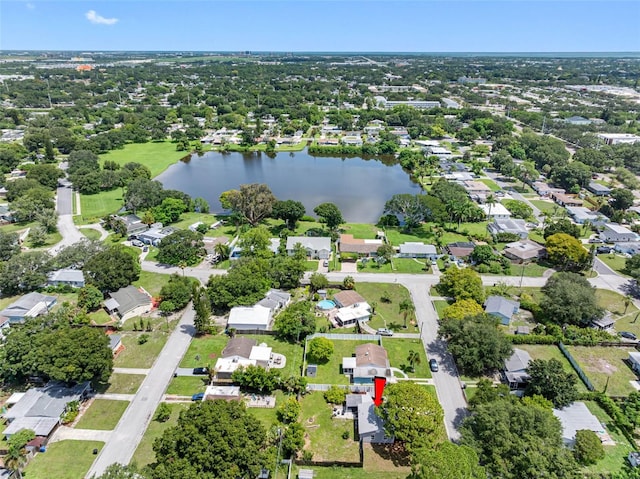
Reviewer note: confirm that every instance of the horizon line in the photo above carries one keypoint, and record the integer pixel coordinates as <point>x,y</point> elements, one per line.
<point>324,52</point>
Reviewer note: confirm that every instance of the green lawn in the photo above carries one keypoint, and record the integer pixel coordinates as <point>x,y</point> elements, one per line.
<point>550,351</point>
<point>331,371</point>
<point>157,156</point>
<point>95,207</point>
<point>63,460</point>
<point>440,304</point>
<point>490,183</point>
<point>614,261</point>
<point>103,414</point>
<point>293,353</point>
<point>137,355</point>
<point>17,227</point>
<point>100,317</point>
<point>614,302</point>
<point>187,385</point>
<point>615,457</point>
<point>92,234</point>
<point>152,282</point>
<point>51,239</point>
<point>144,454</point>
<point>360,230</point>
<point>600,363</point>
<point>203,351</point>
<point>397,265</point>
<point>324,433</point>
<point>545,206</point>
<point>387,315</point>
<point>530,270</point>
<point>268,415</point>
<point>347,472</point>
<point>121,384</point>
<point>6,301</point>
<point>398,350</point>
<point>311,265</point>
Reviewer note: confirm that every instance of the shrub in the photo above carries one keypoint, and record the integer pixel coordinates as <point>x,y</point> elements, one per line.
<point>289,410</point>
<point>320,349</point>
<point>143,338</point>
<point>335,395</point>
<point>345,434</point>
<point>163,413</point>
<point>588,448</point>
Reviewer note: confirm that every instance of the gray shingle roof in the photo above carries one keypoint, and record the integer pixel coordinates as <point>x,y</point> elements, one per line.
<point>129,298</point>
<point>26,303</point>
<point>67,276</point>
<point>501,305</point>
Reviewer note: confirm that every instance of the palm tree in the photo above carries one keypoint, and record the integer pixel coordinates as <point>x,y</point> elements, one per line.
<point>491,200</point>
<point>413,358</point>
<point>222,250</point>
<point>627,302</point>
<point>406,307</point>
<point>15,460</point>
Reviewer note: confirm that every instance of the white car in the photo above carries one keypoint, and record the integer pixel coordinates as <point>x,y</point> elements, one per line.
<point>385,332</point>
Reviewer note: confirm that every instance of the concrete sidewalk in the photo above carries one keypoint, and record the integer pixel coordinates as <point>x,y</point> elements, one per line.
<point>64,433</point>
<point>131,371</point>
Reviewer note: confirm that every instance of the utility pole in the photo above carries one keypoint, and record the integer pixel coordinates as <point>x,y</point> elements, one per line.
<point>278,456</point>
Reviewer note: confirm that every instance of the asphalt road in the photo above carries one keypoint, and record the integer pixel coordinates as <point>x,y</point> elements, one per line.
<point>64,207</point>
<point>125,438</point>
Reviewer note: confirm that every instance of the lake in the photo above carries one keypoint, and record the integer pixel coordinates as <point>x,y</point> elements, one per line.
<point>358,187</point>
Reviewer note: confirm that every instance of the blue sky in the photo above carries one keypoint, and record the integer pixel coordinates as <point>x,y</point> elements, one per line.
<point>304,25</point>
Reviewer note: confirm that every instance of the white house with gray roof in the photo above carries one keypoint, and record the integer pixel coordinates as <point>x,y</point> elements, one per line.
<point>515,369</point>
<point>415,249</point>
<point>66,277</point>
<point>128,302</point>
<point>614,233</point>
<point>502,308</point>
<point>30,305</point>
<point>517,227</point>
<point>317,247</point>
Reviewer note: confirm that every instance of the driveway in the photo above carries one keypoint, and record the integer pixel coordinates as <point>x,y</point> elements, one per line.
<point>124,439</point>
<point>66,227</point>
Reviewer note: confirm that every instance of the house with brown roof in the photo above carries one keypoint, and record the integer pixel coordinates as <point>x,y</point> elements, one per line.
<point>524,251</point>
<point>566,200</point>
<point>347,298</point>
<point>362,247</point>
<point>460,249</point>
<point>369,361</point>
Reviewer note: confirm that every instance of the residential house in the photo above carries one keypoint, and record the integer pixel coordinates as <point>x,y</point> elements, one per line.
<point>581,215</point>
<point>449,103</point>
<point>236,354</point>
<point>4,327</point>
<point>347,298</point>
<point>30,305</point>
<point>369,361</point>
<point>476,188</point>
<point>115,343</point>
<point>6,215</point>
<point>155,235</point>
<point>614,233</point>
<point>502,308</point>
<point>228,393</point>
<point>369,425</point>
<point>66,277</point>
<point>603,324</point>
<point>495,211</point>
<point>632,247</point>
<point>566,200</point>
<point>362,247</point>
<point>460,249</point>
<point>543,189</point>
<point>317,247</point>
<point>598,189</point>
<point>249,318</point>
<point>350,315</point>
<point>236,251</point>
<point>577,417</point>
<point>275,300</point>
<point>634,361</point>
<point>634,458</point>
<point>524,251</point>
<point>351,140</point>
<point>515,369</point>
<point>412,249</point>
<point>133,223</point>
<point>41,409</point>
<point>517,227</point>
<point>438,151</point>
<point>128,302</point>
<point>577,120</point>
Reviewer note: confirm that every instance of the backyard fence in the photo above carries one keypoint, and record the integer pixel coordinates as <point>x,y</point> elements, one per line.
<point>576,367</point>
<point>353,388</point>
<point>345,337</point>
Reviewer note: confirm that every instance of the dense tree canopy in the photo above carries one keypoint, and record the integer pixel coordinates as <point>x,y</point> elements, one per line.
<point>253,201</point>
<point>567,253</point>
<point>178,291</point>
<point>212,440</point>
<point>549,380</point>
<point>24,272</point>
<point>181,247</point>
<point>461,284</point>
<point>570,299</point>
<point>112,269</point>
<point>290,211</point>
<point>562,226</point>
<point>296,321</point>
<point>9,245</point>
<point>246,283</point>
<point>329,214</point>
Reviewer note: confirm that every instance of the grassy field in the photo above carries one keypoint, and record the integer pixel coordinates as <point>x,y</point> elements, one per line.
<point>398,350</point>
<point>157,156</point>
<point>100,317</point>
<point>63,460</point>
<point>350,472</point>
<point>137,355</point>
<point>103,414</point>
<point>144,454</point>
<point>440,304</point>
<point>490,183</point>
<point>293,353</point>
<point>152,282</point>
<point>90,233</point>
<point>51,239</point>
<point>95,207</point>
<point>387,314</point>
<point>614,302</point>
<point>204,350</point>
<point>397,265</point>
<point>121,384</point>
<point>614,261</point>
<point>187,385</point>
<point>550,351</point>
<point>266,415</point>
<point>324,433</point>
<point>615,457</point>
<point>545,206</point>
<point>331,371</point>
<point>530,270</point>
<point>600,363</point>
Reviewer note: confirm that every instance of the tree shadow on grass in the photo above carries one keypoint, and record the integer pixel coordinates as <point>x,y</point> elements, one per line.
<point>395,453</point>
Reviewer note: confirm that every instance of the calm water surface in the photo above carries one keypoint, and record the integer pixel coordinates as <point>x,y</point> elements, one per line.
<point>359,187</point>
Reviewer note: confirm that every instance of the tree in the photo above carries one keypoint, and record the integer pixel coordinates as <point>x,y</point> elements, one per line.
<point>483,254</point>
<point>46,175</point>
<point>118,471</point>
<point>90,298</point>
<point>406,308</point>
<point>16,458</point>
<point>211,439</point>
<point>570,299</point>
<point>163,413</point>
<point>293,439</point>
<point>202,307</point>
<point>414,358</point>
<point>290,211</point>
<point>631,408</point>
<point>253,201</point>
<point>9,245</point>
<point>348,282</point>
<point>566,252</point>
<point>245,284</point>
<point>461,309</point>
<point>256,378</point>
<point>476,343</point>
<point>182,246</point>
<point>177,290</point>
<point>37,236</point>
<point>335,395</point>
<point>296,322</point>
<point>549,380</point>
<point>24,272</point>
<point>386,252</point>
<point>409,207</point>
<point>588,448</point>
<point>169,210</point>
<point>518,209</point>
<point>446,461</point>
<point>330,215</point>
<point>76,255</point>
<point>289,410</point>
<point>318,281</point>
<point>562,226</point>
<point>320,349</point>
<point>461,284</point>
<point>412,415</point>
<point>621,199</point>
<point>632,266</point>
<point>112,269</point>
<point>255,242</point>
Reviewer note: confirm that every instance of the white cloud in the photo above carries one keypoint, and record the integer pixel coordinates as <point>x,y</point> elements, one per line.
<point>30,6</point>
<point>93,17</point>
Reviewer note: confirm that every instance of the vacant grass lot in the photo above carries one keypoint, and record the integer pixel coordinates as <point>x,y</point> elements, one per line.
<point>324,433</point>
<point>331,371</point>
<point>614,302</point>
<point>144,454</point>
<point>121,384</point>
<point>152,282</point>
<point>187,385</point>
<point>387,313</point>
<point>94,207</point>
<point>204,350</point>
<point>600,364</point>
<point>545,206</point>
<point>103,414</point>
<point>349,472</point>
<point>397,265</point>
<point>90,233</point>
<point>398,350</point>
<point>490,183</point>
<point>156,155</point>
<point>550,351</point>
<point>137,355</point>
<point>63,460</point>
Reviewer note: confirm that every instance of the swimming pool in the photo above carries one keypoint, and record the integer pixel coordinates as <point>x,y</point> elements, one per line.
<point>326,305</point>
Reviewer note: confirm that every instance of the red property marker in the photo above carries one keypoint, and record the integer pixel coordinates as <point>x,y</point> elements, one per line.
<point>379,382</point>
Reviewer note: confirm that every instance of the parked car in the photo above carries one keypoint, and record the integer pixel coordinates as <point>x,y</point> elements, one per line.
<point>137,243</point>
<point>595,240</point>
<point>145,249</point>
<point>628,335</point>
<point>197,397</point>
<point>325,263</point>
<point>433,365</point>
<point>385,332</point>
<point>200,371</point>
<point>603,249</point>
